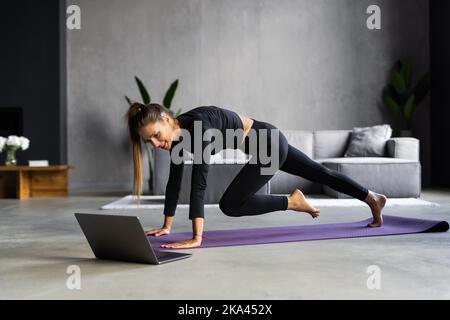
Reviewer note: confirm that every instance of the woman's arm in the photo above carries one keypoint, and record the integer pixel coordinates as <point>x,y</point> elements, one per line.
<point>165,229</point>
<point>197,228</point>
<point>196,203</point>
<point>173,188</point>
<point>197,235</point>
<point>171,199</point>
<point>168,221</point>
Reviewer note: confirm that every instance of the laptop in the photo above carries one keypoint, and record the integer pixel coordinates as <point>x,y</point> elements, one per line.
<point>114,237</point>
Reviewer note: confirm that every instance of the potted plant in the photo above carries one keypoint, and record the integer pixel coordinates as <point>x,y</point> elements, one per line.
<point>146,99</point>
<point>401,97</point>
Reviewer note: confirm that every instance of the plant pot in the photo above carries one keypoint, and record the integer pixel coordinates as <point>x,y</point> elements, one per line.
<point>406,133</point>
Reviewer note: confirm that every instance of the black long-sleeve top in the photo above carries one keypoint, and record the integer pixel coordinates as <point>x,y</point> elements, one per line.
<point>211,117</point>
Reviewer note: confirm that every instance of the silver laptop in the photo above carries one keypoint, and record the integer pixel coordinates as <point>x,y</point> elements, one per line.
<point>114,237</point>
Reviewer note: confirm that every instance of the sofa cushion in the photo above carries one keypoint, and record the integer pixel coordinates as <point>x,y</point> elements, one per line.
<point>224,156</point>
<point>218,179</point>
<point>364,160</point>
<point>300,139</point>
<point>284,183</point>
<point>393,177</point>
<point>368,141</point>
<point>219,176</point>
<point>330,143</point>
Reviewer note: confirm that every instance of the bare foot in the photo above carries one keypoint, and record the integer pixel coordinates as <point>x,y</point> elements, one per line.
<point>376,203</point>
<point>297,202</point>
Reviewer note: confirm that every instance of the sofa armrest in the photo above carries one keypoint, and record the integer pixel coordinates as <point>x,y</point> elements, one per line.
<point>403,148</point>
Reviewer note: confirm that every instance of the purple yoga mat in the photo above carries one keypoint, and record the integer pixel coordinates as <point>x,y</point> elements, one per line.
<point>248,236</point>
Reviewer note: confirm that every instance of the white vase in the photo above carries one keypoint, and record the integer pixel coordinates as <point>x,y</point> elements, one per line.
<point>11,157</point>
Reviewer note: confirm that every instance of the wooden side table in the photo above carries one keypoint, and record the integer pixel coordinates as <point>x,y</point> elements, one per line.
<point>22,182</point>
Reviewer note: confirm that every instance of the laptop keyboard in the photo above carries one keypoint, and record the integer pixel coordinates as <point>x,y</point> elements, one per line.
<point>162,254</point>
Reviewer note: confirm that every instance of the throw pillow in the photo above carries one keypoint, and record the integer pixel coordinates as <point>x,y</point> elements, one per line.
<point>368,141</point>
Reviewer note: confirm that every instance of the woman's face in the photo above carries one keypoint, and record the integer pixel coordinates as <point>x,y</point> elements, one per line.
<point>158,133</point>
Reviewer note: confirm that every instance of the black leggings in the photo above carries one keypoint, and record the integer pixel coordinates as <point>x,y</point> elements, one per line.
<point>239,199</point>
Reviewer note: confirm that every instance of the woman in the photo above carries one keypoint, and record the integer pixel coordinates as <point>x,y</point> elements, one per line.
<point>157,125</point>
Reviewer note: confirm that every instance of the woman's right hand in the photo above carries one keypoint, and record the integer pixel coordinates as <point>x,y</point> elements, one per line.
<point>158,232</point>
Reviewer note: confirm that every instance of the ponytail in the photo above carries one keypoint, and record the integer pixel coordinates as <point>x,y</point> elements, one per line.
<point>138,116</point>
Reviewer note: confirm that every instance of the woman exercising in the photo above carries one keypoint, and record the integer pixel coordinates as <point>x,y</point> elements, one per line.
<point>157,125</point>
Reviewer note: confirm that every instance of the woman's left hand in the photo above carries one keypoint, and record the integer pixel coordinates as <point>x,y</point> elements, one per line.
<point>191,243</point>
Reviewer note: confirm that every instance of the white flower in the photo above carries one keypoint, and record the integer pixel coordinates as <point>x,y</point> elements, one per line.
<point>2,143</point>
<point>15,142</point>
<point>25,143</point>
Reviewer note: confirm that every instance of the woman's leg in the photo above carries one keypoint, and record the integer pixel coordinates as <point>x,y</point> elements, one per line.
<point>239,199</point>
<point>299,164</point>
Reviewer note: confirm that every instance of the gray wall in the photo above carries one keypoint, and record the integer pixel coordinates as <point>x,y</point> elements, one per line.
<point>300,64</point>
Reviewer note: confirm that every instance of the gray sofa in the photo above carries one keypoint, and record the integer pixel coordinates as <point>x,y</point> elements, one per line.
<point>397,174</point>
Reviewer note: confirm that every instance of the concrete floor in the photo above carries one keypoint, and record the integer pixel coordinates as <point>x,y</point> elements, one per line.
<point>40,238</point>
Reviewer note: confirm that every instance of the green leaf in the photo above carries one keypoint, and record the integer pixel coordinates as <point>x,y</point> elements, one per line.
<point>392,104</point>
<point>128,100</point>
<point>391,92</point>
<point>143,90</point>
<point>405,71</point>
<point>169,94</point>
<point>398,82</point>
<point>422,88</point>
<point>177,113</point>
<point>409,107</point>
